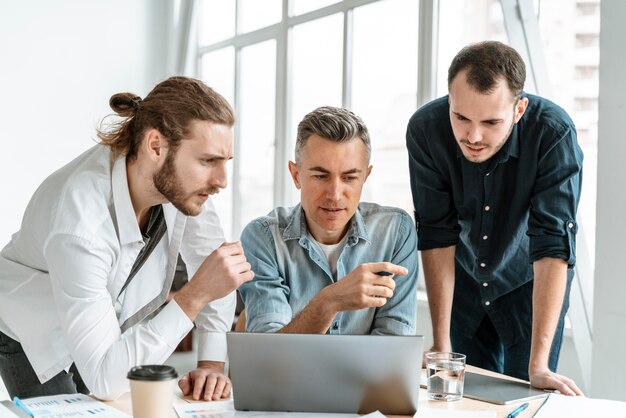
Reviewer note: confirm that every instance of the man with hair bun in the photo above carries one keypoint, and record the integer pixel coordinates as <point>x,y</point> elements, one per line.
<point>496,176</point>
<point>84,282</point>
<point>331,264</point>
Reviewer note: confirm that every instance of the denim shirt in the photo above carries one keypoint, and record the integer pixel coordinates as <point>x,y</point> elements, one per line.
<point>503,214</point>
<point>290,269</point>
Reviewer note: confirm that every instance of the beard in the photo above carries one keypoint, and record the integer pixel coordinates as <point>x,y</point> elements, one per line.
<point>169,184</point>
<point>494,148</point>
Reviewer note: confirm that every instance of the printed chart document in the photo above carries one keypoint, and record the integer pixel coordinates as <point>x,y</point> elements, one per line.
<point>6,413</point>
<point>445,413</point>
<point>76,405</point>
<point>215,409</point>
<point>579,406</point>
<point>226,409</point>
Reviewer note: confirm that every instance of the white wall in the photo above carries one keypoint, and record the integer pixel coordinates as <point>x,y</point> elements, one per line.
<point>609,319</point>
<point>60,61</point>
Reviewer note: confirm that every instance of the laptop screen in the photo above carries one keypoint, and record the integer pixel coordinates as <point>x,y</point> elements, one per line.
<point>325,373</point>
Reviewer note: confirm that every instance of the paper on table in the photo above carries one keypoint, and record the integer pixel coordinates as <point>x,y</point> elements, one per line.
<point>213,409</point>
<point>376,414</point>
<point>259,414</point>
<point>226,409</point>
<point>76,405</point>
<point>579,406</point>
<point>445,413</point>
<point>5,413</point>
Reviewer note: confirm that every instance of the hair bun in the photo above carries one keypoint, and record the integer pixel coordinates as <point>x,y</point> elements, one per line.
<point>124,104</point>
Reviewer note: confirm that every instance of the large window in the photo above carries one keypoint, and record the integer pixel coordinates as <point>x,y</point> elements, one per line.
<point>359,54</point>
<point>316,73</point>
<point>255,148</point>
<point>570,35</point>
<point>462,22</point>
<point>276,60</point>
<point>218,68</point>
<point>570,32</point>
<point>363,55</point>
<point>384,91</point>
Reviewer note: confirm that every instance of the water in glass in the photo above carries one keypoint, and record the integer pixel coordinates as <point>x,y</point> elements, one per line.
<point>445,379</point>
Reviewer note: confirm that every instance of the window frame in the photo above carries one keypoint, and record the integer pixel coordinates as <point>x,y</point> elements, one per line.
<point>522,28</point>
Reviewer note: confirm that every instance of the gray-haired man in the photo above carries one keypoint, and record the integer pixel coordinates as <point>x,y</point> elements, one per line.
<point>331,264</point>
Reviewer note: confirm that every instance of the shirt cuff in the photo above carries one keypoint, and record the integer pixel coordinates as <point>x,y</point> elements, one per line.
<point>268,322</point>
<point>556,246</point>
<point>429,238</point>
<point>211,346</point>
<point>172,324</point>
<point>389,326</point>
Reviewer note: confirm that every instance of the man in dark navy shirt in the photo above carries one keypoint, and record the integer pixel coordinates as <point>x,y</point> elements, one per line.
<point>496,177</point>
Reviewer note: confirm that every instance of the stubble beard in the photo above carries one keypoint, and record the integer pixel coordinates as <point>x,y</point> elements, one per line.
<point>497,148</point>
<point>167,182</point>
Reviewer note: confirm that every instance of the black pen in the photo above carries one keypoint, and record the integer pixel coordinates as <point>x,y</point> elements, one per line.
<point>517,410</point>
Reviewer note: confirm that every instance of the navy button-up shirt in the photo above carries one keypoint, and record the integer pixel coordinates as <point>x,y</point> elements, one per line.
<point>503,214</point>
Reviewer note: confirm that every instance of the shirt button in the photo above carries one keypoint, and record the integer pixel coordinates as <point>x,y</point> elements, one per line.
<point>570,225</point>
<point>485,284</point>
<point>485,237</point>
<point>483,264</point>
<point>487,303</point>
<point>487,208</point>
<point>487,174</point>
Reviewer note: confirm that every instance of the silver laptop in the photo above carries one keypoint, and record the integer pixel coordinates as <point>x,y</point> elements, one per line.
<point>325,373</point>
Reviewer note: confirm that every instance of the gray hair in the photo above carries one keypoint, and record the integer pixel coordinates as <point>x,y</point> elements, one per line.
<point>332,123</point>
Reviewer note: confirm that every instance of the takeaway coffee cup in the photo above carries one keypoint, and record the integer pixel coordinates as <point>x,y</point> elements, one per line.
<point>152,390</point>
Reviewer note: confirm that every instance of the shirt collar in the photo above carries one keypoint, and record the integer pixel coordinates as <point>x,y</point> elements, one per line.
<point>513,141</point>
<point>297,229</point>
<point>127,226</point>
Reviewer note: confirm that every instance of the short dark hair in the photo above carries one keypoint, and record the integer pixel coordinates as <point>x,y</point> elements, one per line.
<point>332,123</point>
<point>485,63</point>
<point>169,107</point>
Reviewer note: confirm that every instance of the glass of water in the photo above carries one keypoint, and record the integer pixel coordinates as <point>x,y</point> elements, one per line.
<point>446,374</point>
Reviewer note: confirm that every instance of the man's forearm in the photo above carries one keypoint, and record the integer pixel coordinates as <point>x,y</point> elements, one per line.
<point>548,293</point>
<point>217,366</point>
<point>315,318</point>
<point>438,267</point>
<point>188,302</point>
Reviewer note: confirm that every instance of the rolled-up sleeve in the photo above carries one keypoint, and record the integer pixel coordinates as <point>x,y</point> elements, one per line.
<point>552,223</point>
<point>435,215</point>
<point>266,297</point>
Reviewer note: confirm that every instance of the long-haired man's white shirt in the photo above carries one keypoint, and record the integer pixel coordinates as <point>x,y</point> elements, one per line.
<point>62,272</point>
